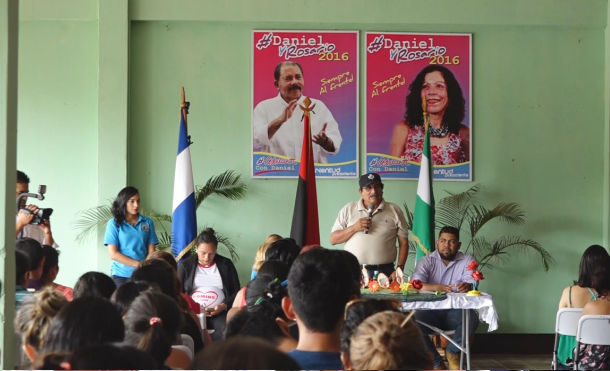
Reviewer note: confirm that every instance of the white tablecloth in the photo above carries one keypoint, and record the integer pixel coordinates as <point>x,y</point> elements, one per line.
<point>484,304</point>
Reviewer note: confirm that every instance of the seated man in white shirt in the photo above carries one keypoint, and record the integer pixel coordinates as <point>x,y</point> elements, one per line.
<point>277,122</point>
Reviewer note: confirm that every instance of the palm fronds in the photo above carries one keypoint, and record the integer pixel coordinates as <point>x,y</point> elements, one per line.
<point>91,220</point>
<point>462,210</point>
<point>227,184</point>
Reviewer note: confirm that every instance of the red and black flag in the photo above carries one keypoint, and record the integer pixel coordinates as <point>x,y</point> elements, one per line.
<point>305,225</point>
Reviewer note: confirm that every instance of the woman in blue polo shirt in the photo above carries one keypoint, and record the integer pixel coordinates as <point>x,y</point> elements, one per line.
<point>130,237</point>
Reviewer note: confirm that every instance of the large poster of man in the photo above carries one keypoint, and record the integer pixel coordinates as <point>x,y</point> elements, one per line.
<point>403,70</point>
<point>288,68</point>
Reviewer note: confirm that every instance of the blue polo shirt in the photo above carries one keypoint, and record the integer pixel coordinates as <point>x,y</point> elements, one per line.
<point>132,241</point>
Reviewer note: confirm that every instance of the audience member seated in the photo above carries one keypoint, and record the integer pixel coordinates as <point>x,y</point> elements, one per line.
<point>50,270</point>
<point>90,320</point>
<point>159,273</point>
<point>211,280</point>
<point>169,258</point>
<point>124,295</point>
<point>263,317</point>
<point>356,311</point>
<point>387,340</point>
<point>32,249</point>
<point>152,324</point>
<point>577,295</point>
<point>22,271</point>
<point>259,259</point>
<point>243,353</point>
<point>32,321</point>
<point>320,283</point>
<point>99,357</point>
<point>94,284</point>
<point>597,357</point>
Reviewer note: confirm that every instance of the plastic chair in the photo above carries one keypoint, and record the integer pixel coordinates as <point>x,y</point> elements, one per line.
<point>566,323</point>
<point>592,329</point>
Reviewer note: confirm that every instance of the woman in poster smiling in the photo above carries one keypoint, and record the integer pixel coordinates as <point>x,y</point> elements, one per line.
<point>449,138</point>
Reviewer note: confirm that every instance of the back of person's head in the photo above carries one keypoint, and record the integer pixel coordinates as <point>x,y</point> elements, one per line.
<point>22,267</point>
<point>165,256</point>
<point>601,279</point>
<point>386,341</point>
<point>357,311</point>
<point>84,321</point>
<point>269,284</point>
<point>320,283</point>
<point>257,321</point>
<point>124,295</point>
<point>284,250</point>
<point>243,353</point>
<point>34,317</point>
<point>94,284</point>
<point>592,261</point>
<point>112,356</point>
<point>259,257</point>
<point>33,251</point>
<point>160,273</point>
<point>50,267</point>
<point>152,324</point>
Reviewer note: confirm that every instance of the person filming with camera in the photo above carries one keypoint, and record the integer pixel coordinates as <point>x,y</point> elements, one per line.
<point>31,220</point>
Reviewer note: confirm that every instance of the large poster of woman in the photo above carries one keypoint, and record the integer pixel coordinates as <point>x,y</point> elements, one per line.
<point>403,69</point>
<point>291,68</point>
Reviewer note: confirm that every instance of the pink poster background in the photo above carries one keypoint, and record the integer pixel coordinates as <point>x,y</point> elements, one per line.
<point>389,75</point>
<point>321,62</point>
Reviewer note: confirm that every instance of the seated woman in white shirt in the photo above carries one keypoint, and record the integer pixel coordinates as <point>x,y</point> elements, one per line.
<point>211,280</point>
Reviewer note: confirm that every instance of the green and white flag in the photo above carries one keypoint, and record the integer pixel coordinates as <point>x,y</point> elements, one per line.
<point>423,218</point>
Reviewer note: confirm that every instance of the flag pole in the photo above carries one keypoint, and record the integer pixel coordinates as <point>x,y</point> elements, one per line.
<point>184,106</point>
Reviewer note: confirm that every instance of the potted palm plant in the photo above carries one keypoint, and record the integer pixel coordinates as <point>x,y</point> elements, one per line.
<point>465,212</point>
<point>227,184</point>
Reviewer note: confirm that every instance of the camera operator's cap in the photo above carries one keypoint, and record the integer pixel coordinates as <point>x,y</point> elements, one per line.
<point>369,178</point>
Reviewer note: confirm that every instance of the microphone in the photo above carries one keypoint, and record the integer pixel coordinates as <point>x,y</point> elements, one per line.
<point>370,214</point>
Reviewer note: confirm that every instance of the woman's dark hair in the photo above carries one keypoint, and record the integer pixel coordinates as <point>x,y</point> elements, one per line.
<point>284,250</point>
<point>268,285</point>
<point>94,284</point>
<point>594,259</point>
<point>118,206</point>
<point>152,324</point>
<point>165,256</point>
<point>357,311</point>
<point>160,273</point>
<point>258,321</point>
<point>454,114</point>
<point>243,353</point>
<point>51,260</point>
<point>98,357</point>
<point>125,294</point>
<point>84,321</point>
<point>207,236</point>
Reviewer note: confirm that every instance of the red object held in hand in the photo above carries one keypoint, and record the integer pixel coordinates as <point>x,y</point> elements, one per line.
<point>416,284</point>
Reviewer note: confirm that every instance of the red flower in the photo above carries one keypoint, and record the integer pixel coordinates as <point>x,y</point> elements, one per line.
<point>477,275</point>
<point>472,266</point>
<point>416,284</point>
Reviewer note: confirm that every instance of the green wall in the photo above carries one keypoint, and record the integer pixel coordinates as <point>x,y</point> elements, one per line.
<point>99,98</point>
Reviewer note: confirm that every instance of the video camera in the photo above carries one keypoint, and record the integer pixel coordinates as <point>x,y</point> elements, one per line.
<point>42,213</point>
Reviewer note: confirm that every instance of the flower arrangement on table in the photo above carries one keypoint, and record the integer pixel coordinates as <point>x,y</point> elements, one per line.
<point>477,275</point>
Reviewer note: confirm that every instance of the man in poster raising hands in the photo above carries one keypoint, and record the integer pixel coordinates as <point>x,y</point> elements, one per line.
<point>278,122</point>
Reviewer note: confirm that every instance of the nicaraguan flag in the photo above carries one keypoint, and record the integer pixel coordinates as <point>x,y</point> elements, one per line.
<point>423,218</point>
<point>184,218</point>
<point>305,225</point>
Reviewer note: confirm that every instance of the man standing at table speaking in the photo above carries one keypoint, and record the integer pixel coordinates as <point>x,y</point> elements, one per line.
<point>369,228</point>
<point>278,122</point>
<point>445,270</point>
